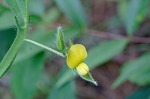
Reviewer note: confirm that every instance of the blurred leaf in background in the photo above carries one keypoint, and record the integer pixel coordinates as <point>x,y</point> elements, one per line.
<point>36,7</point>
<point>137,71</point>
<point>104,52</point>
<point>51,16</point>
<point>74,11</point>
<point>133,13</point>
<point>3,9</point>
<point>36,11</point>
<point>6,39</point>
<point>65,92</point>
<point>142,93</point>
<point>25,76</point>
<point>7,20</point>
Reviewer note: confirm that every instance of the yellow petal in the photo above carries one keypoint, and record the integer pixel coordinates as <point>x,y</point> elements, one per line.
<point>82,69</point>
<point>76,54</point>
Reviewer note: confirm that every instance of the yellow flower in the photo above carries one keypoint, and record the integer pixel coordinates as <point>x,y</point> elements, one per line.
<point>82,69</point>
<point>76,55</point>
<point>75,60</point>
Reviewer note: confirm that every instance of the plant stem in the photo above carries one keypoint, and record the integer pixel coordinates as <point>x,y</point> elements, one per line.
<point>12,52</point>
<point>45,47</point>
<point>10,55</point>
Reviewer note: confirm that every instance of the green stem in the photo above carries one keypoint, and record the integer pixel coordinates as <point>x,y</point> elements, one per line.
<point>12,52</point>
<point>10,55</point>
<point>45,47</point>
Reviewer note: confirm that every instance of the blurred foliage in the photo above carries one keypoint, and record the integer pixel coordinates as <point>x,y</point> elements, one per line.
<point>74,11</point>
<point>6,39</point>
<point>133,13</point>
<point>8,16</point>
<point>68,88</point>
<point>28,67</point>
<point>142,93</point>
<point>136,71</point>
<point>25,76</point>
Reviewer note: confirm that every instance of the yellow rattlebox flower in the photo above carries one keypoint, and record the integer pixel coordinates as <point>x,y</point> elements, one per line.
<point>76,55</point>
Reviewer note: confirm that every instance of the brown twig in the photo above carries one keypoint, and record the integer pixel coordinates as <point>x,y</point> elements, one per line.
<point>107,35</point>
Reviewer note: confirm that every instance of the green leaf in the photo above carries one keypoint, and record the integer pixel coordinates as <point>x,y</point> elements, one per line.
<point>25,76</point>
<point>7,20</point>
<point>11,53</point>
<point>65,92</point>
<point>104,52</point>
<point>18,8</point>
<point>65,76</point>
<point>74,10</point>
<point>142,93</point>
<point>134,14</point>
<point>6,39</point>
<point>3,9</point>
<point>136,71</point>
<point>36,7</point>
<point>51,16</point>
<point>122,9</point>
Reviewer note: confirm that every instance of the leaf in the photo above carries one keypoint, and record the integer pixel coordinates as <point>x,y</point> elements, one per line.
<point>104,52</point>
<point>74,10</point>
<point>122,9</point>
<point>25,76</point>
<point>36,7</point>
<point>65,92</point>
<point>142,93</point>
<point>134,15</point>
<point>51,16</point>
<point>3,9</point>
<point>6,39</point>
<point>136,71</point>
<point>11,53</point>
<point>18,8</point>
<point>64,76</point>
<point>7,20</point>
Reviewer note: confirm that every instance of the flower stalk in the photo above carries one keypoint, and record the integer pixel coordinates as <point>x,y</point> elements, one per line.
<point>45,47</point>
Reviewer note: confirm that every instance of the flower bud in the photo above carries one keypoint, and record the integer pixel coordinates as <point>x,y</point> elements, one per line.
<point>82,69</point>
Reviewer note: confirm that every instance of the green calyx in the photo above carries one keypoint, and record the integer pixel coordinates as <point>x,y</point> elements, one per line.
<point>60,41</point>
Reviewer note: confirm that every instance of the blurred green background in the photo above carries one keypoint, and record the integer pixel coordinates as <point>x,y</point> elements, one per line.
<point>115,32</point>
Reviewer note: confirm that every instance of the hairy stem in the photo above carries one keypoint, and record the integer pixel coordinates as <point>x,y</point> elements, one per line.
<point>45,47</point>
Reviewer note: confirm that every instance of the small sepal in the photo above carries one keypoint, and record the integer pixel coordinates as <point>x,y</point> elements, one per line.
<point>88,77</point>
<point>60,41</point>
<point>70,43</point>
